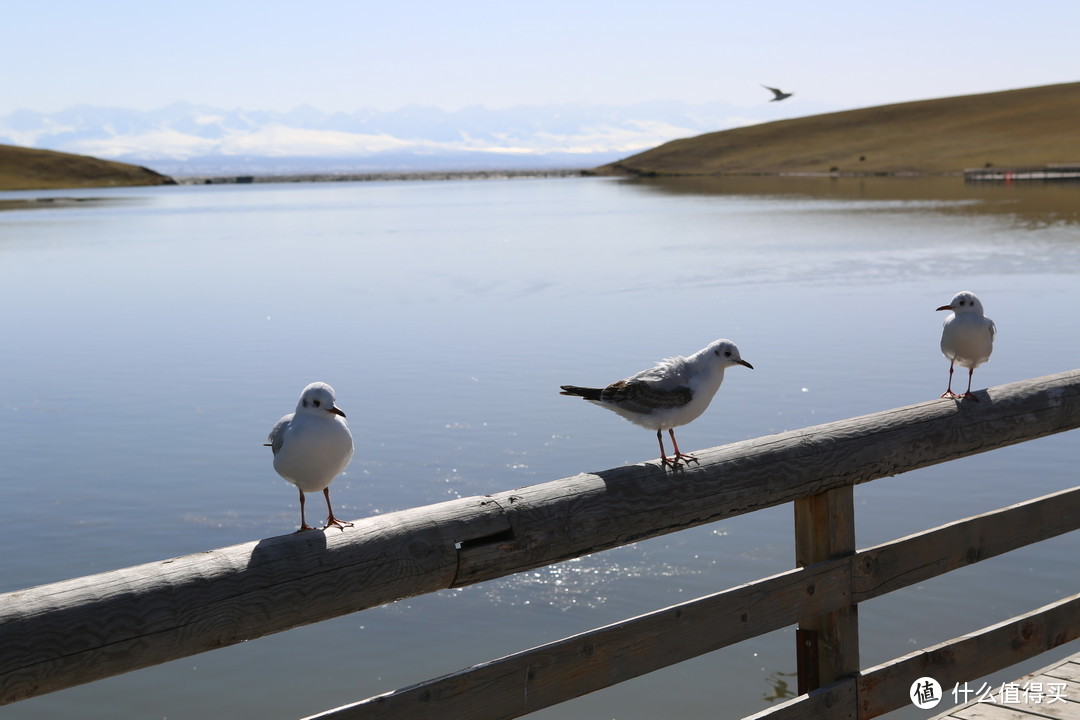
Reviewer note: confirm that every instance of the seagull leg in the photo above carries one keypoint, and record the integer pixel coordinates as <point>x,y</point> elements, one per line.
<point>948,392</point>
<point>968,395</point>
<point>331,520</point>
<point>663,456</point>
<point>303,523</point>
<point>679,455</point>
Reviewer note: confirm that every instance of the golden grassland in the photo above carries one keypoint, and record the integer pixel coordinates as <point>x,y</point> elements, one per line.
<point>1028,127</point>
<point>29,169</point>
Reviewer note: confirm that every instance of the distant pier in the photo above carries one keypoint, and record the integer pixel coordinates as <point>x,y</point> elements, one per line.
<point>1070,171</point>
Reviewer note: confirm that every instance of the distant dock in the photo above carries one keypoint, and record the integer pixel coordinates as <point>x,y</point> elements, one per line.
<point>1070,171</point>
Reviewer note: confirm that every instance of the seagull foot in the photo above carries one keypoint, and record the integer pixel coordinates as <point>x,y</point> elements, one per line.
<point>969,396</point>
<point>949,394</point>
<point>678,461</point>
<point>304,527</point>
<point>336,523</point>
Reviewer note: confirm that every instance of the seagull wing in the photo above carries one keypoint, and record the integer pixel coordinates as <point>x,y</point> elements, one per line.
<point>642,396</point>
<point>774,91</point>
<point>277,435</point>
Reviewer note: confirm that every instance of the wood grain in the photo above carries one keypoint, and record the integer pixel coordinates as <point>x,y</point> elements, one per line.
<point>67,633</point>
<point>591,512</point>
<point>827,644</point>
<point>554,672</point>
<point>884,688</point>
<point>76,631</point>
<point>568,668</point>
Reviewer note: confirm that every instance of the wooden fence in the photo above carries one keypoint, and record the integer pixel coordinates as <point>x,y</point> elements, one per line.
<point>59,635</point>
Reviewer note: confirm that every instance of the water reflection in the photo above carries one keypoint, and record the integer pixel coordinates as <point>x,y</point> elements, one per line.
<point>1035,203</point>
<point>779,689</point>
<point>151,343</point>
<point>52,202</point>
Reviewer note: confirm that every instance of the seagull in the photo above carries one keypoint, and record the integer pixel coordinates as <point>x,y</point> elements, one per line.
<point>312,446</point>
<point>780,94</point>
<point>967,338</point>
<point>674,392</point>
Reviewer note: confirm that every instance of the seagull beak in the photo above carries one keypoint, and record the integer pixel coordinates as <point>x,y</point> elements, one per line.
<point>336,411</point>
<point>946,307</point>
<point>745,364</point>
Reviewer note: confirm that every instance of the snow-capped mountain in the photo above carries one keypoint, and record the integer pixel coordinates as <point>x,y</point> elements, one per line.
<point>196,139</point>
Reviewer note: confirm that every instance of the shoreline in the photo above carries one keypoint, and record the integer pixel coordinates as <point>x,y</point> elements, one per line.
<point>384,176</point>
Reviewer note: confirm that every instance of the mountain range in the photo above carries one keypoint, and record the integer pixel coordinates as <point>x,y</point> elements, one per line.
<point>187,139</point>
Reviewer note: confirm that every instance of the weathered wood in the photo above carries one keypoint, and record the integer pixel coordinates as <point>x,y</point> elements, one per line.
<point>562,670</point>
<point>558,671</point>
<point>998,712</point>
<point>67,633</point>
<point>827,644</point>
<point>900,563</point>
<point>1068,709</point>
<point>728,617</point>
<point>808,678</point>
<point>885,687</point>
<point>1067,671</point>
<point>1027,706</point>
<point>832,702</point>
<point>591,512</point>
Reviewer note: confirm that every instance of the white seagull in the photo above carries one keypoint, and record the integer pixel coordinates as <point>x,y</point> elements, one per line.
<point>674,392</point>
<point>779,94</point>
<point>967,338</point>
<point>312,446</point>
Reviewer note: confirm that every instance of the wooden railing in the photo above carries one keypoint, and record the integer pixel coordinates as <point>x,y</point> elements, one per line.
<point>77,631</point>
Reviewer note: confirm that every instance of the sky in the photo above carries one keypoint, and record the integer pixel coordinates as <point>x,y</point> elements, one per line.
<point>345,56</point>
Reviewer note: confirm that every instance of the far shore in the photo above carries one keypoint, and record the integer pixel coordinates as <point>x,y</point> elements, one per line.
<point>418,175</point>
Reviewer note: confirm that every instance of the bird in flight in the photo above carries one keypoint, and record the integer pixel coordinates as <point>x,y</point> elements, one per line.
<point>779,94</point>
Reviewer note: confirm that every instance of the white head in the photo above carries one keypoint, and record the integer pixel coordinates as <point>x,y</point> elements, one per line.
<point>964,302</point>
<point>725,354</point>
<point>318,398</point>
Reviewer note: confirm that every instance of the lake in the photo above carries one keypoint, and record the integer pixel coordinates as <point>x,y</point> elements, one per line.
<point>152,337</point>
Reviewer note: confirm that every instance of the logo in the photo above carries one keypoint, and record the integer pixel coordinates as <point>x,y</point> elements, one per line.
<point>925,693</point>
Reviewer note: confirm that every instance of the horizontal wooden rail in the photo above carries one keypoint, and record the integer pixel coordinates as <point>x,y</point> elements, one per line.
<point>884,688</point>
<point>586,513</point>
<point>565,669</point>
<point>67,633</point>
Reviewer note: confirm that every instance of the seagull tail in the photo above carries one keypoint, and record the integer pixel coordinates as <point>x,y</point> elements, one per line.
<point>582,392</point>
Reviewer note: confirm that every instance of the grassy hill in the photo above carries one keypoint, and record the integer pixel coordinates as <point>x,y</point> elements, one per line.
<point>29,169</point>
<point>1033,126</point>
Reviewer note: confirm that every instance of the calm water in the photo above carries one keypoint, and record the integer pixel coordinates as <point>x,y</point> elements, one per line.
<point>151,337</point>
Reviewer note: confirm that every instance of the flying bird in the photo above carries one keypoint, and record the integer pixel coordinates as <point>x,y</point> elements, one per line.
<point>967,338</point>
<point>779,94</point>
<point>312,446</point>
<point>672,393</point>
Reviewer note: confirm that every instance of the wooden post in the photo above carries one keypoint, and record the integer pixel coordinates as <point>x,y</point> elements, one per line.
<point>542,676</point>
<point>828,644</point>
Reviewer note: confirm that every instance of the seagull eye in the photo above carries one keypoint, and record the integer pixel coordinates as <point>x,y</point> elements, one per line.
<point>315,403</point>
<point>727,353</point>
